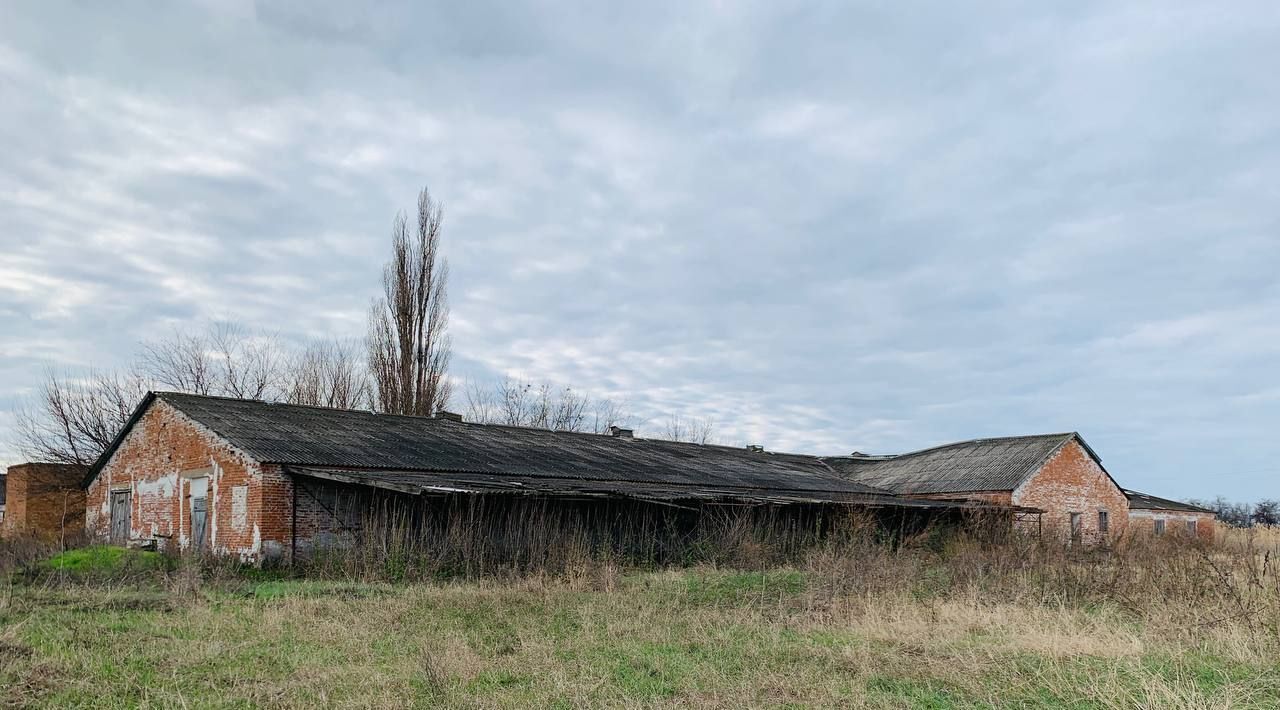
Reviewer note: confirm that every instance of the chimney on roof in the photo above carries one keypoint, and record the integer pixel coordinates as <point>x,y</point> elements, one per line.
<point>451,416</point>
<point>621,433</point>
<point>755,448</point>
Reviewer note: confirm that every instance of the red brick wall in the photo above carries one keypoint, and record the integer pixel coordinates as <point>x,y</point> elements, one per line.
<point>1071,481</point>
<point>330,514</point>
<point>45,499</point>
<point>151,462</point>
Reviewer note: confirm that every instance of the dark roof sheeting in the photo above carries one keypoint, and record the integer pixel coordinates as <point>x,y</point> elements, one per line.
<point>999,464</point>
<point>337,439</point>
<point>1143,501</point>
<point>442,483</point>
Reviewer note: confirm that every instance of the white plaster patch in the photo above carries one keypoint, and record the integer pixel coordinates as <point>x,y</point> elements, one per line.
<point>165,486</point>
<point>251,554</point>
<point>239,507</point>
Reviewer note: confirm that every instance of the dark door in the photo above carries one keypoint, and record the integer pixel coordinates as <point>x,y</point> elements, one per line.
<point>199,522</point>
<point>119,517</point>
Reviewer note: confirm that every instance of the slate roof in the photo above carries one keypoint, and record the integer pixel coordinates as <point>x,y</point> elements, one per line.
<point>390,448</point>
<point>998,464</point>
<point>1143,501</point>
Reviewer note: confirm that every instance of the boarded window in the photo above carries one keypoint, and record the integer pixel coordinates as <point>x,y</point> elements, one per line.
<point>239,507</point>
<point>1104,521</point>
<point>1159,527</point>
<point>1191,527</point>
<point>1076,524</point>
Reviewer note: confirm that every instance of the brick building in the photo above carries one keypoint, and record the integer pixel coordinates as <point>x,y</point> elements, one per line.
<point>44,499</point>
<point>1151,515</point>
<point>271,481</point>
<point>266,481</point>
<point>1058,474</point>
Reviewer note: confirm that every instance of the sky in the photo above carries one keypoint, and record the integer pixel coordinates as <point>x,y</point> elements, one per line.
<point>826,226</point>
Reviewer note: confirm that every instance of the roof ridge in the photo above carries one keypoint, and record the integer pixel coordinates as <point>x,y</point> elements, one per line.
<point>949,444</point>
<point>165,393</point>
<point>162,394</point>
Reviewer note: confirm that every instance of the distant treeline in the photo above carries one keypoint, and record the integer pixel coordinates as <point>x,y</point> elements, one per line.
<point>1243,515</point>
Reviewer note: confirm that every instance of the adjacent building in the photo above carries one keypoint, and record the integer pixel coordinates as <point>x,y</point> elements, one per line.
<point>1058,474</point>
<point>45,500</point>
<point>1152,515</point>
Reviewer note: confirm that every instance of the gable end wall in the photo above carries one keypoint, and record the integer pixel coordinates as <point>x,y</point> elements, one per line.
<point>1071,481</point>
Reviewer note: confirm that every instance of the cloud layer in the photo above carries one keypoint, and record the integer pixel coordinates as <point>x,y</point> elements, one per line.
<point>828,227</point>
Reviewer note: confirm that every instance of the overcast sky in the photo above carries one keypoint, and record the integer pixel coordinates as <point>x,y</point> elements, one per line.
<point>827,227</point>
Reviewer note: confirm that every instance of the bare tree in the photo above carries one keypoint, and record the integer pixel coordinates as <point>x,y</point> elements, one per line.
<point>408,342</point>
<point>480,403</point>
<point>73,420</point>
<point>250,366</point>
<point>330,373</point>
<point>695,430</point>
<point>225,359</point>
<point>607,413</point>
<point>180,362</point>
<point>1266,512</point>
<point>543,406</point>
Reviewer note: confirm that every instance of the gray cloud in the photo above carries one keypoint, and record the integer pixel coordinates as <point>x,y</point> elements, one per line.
<point>829,227</point>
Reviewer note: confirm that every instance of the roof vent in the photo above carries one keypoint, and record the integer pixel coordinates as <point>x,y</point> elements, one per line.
<point>621,433</point>
<point>451,416</point>
<point>755,448</point>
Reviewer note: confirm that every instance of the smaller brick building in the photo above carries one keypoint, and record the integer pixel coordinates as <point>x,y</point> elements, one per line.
<point>1059,474</point>
<point>1151,515</point>
<point>44,499</point>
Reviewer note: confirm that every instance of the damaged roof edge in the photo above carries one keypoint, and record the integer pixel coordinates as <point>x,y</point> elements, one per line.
<point>437,483</point>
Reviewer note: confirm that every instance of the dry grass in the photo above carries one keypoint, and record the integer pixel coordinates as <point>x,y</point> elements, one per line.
<point>1155,624</point>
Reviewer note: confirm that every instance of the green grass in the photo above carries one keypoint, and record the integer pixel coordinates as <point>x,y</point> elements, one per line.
<point>736,588</point>
<point>701,638</point>
<point>105,559</point>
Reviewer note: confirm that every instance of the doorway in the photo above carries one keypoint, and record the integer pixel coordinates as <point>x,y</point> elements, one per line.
<point>199,513</point>
<point>119,517</point>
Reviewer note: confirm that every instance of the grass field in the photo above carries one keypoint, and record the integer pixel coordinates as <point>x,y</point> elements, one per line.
<point>910,631</point>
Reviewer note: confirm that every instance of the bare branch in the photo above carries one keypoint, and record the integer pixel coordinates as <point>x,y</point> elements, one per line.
<point>73,420</point>
<point>544,406</point>
<point>330,373</point>
<point>694,430</point>
<point>225,359</point>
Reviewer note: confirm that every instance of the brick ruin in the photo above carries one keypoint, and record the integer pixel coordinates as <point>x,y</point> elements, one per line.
<point>45,500</point>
